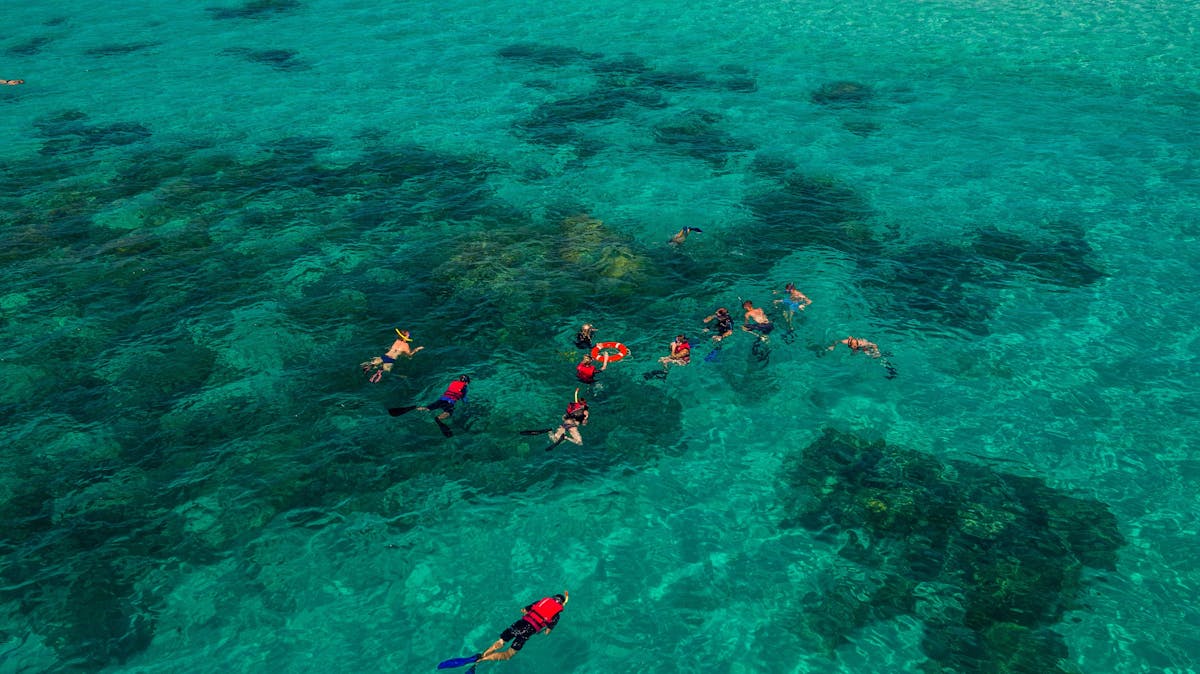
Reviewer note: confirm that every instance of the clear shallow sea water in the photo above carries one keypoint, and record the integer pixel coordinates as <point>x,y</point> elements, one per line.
<point>210,215</point>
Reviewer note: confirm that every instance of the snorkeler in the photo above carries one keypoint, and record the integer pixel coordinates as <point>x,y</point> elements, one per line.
<point>455,393</point>
<point>682,235</point>
<point>586,370</point>
<point>757,321</point>
<point>12,83</point>
<point>724,324</point>
<point>794,302</point>
<point>380,364</point>
<point>575,416</point>
<point>540,616</point>
<point>859,345</point>
<point>681,354</point>
<point>583,338</point>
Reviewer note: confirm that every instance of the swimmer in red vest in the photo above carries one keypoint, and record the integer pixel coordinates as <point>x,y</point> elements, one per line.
<point>586,370</point>
<point>575,416</point>
<point>455,392</point>
<point>540,616</point>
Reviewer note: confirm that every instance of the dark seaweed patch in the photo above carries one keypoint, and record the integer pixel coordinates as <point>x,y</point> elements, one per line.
<point>989,561</point>
<point>120,49</point>
<point>256,9</point>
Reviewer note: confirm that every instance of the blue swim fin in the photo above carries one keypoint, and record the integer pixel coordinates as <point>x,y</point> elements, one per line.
<point>459,662</point>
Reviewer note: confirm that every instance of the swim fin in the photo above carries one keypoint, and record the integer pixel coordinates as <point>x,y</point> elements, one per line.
<point>444,428</point>
<point>544,430</point>
<point>397,411</point>
<point>557,442</point>
<point>459,662</point>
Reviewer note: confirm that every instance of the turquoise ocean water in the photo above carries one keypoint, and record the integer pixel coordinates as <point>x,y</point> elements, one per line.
<point>212,213</point>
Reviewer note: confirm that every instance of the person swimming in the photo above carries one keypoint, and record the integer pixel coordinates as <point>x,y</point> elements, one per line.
<point>724,324</point>
<point>375,367</point>
<point>583,338</point>
<point>12,83</point>
<point>757,321</point>
<point>682,235</point>
<point>795,302</point>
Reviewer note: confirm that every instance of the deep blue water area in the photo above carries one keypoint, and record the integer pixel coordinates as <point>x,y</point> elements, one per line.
<point>210,214</point>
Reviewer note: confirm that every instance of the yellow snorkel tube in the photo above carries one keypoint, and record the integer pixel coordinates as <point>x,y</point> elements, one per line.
<point>401,335</point>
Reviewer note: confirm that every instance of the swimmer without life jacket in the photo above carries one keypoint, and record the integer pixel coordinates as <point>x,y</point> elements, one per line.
<point>544,611</point>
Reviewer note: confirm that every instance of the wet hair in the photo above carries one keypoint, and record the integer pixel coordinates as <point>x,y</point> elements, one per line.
<point>722,310</point>
<point>465,379</point>
<point>562,599</point>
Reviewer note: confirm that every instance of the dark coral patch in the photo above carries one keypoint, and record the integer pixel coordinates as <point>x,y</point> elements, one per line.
<point>70,131</point>
<point>31,47</point>
<point>1059,254</point>
<point>842,93</point>
<point>256,9</point>
<point>932,286</point>
<point>697,133</point>
<point>989,561</point>
<point>545,54</point>
<point>802,211</point>
<point>120,49</point>
<point>286,60</point>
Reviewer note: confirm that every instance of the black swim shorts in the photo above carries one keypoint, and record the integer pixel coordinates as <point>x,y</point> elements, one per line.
<point>519,632</point>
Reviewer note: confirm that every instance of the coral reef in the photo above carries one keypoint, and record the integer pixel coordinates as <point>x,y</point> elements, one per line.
<point>989,561</point>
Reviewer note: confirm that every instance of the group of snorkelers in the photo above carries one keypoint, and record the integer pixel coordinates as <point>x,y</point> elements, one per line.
<point>542,615</point>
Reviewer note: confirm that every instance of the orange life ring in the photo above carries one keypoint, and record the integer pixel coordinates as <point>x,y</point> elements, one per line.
<point>622,351</point>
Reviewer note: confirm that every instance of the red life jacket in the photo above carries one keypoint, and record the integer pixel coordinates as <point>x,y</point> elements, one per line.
<point>457,390</point>
<point>572,408</point>
<point>684,345</point>
<point>586,373</point>
<point>543,612</point>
